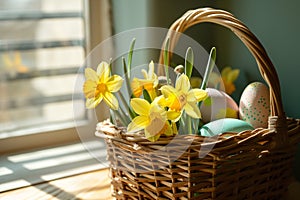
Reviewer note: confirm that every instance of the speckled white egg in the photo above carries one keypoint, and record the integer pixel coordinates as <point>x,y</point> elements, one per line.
<point>218,105</point>
<point>254,106</point>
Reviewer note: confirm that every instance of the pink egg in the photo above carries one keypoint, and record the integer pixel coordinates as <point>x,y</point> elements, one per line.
<point>218,105</point>
<point>254,105</point>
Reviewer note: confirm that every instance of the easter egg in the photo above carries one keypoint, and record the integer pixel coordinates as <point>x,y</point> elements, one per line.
<point>254,106</point>
<point>224,125</point>
<point>218,105</point>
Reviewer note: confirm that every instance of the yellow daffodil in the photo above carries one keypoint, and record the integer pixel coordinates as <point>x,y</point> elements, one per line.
<point>14,65</point>
<point>152,118</point>
<point>228,76</point>
<point>100,86</point>
<point>149,83</point>
<point>181,98</point>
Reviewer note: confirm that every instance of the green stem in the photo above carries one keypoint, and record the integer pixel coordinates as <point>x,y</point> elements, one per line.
<point>189,125</point>
<point>126,105</point>
<point>120,118</point>
<point>166,60</point>
<point>112,117</point>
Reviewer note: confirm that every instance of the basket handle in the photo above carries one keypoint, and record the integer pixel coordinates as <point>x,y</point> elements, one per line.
<point>277,120</point>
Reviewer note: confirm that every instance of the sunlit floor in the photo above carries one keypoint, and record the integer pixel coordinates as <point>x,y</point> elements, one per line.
<point>24,169</point>
<point>88,186</point>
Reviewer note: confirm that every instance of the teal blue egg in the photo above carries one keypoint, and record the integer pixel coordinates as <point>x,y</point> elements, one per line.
<point>224,125</point>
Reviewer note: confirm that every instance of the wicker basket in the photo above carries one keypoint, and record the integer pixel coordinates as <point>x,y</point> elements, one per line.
<point>250,165</point>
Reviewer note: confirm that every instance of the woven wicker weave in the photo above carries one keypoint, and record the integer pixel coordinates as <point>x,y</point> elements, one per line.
<point>251,164</point>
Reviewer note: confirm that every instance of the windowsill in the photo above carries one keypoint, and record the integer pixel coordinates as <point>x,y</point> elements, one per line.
<point>35,167</point>
<point>92,185</point>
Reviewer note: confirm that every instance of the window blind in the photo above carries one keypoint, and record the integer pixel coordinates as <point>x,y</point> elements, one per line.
<point>42,46</point>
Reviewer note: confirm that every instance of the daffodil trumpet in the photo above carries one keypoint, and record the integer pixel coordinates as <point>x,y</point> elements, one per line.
<point>149,83</point>
<point>181,98</point>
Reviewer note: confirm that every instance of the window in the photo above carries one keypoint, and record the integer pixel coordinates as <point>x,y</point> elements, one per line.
<point>43,43</point>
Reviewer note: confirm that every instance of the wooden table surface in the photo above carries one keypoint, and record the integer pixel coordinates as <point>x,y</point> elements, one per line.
<point>88,186</point>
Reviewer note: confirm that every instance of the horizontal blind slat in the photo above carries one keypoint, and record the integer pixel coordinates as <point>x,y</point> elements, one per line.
<point>41,73</point>
<point>35,101</point>
<point>35,15</point>
<point>30,45</point>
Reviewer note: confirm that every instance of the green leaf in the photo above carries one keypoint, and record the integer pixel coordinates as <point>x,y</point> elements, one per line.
<point>120,117</point>
<point>146,96</point>
<point>130,54</point>
<point>208,70</point>
<point>112,117</point>
<point>126,104</point>
<point>127,79</point>
<point>110,66</point>
<point>209,67</point>
<point>166,60</point>
<point>132,113</point>
<point>189,62</point>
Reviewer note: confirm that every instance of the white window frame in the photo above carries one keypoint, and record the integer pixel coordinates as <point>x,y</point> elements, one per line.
<point>97,30</point>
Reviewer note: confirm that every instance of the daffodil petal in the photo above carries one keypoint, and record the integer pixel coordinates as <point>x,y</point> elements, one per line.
<point>173,115</point>
<point>155,83</point>
<point>169,131</point>
<point>145,74</point>
<point>151,70</point>
<point>167,90</point>
<point>111,100</point>
<point>138,123</point>
<point>225,71</point>
<point>192,110</point>
<point>233,75</point>
<point>103,71</point>
<point>183,83</point>
<point>114,83</point>
<point>156,126</point>
<point>137,89</point>
<point>196,95</point>
<point>150,137</point>
<point>154,107</point>
<point>140,106</point>
<point>90,74</point>
<point>92,103</point>
<point>160,100</point>
<point>89,88</point>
